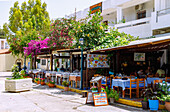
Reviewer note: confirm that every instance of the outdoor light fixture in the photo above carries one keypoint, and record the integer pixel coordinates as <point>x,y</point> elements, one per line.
<point>81,42</point>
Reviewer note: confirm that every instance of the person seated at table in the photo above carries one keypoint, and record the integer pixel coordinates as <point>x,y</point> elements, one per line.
<point>62,69</point>
<point>148,71</point>
<point>161,72</point>
<point>140,72</point>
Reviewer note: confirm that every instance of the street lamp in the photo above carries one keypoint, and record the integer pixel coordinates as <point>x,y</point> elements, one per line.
<point>81,42</point>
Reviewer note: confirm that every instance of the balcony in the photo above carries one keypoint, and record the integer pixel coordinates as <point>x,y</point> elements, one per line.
<point>135,27</point>
<point>160,19</point>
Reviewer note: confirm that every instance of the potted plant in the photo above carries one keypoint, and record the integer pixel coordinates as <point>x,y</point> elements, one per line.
<point>113,96</point>
<point>94,89</point>
<point>153,93</point>
<point>165,94</point>
<point>145,103</point>
<point>66,85</point>
<point>17,83</point>
<point>42,81</point>
<point>37,80</point>
<point>51,84</point>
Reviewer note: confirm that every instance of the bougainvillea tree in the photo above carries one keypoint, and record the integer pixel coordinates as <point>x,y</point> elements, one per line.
<point>35,47</point>
<point>59,37</point>
<point>26,22</point>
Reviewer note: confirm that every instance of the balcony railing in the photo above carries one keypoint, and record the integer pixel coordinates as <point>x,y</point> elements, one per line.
<point>133,23</point>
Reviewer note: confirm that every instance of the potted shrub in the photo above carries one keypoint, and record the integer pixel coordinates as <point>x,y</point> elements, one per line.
<point>94,89</point>
<point>66,85</point>
<point>153,93</point>
<point>113,96</point>
<point>51,84</point>
<point>17,83</point>
<point>42,81</point>
<point>165,94</point>
<point>145,103</point>
<point>37,80</point>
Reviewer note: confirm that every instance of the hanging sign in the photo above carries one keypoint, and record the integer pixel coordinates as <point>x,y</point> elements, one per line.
<point>96,8</point>
<point>97,61</point>
<point>100,99</point>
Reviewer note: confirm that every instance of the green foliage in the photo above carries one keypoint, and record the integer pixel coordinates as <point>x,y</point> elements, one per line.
<point>59,36</point>
<point>91,29</point>
<point>52,82</point>
<point>65,84</point>
<point>145,99</point>
<point>16,74</point>
<point>165,93</point>
<point>26,22</point>
<point>114,94</point>
<point>37,79</point>
<point>152,93</point>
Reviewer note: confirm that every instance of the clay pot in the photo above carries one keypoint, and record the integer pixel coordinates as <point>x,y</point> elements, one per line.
<point>51,85</point>
<point>167,106</point>
<point>66,88</point>
<point>42,83</point>
<point>38,82</point>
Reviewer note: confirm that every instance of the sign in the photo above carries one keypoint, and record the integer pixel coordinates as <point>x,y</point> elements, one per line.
<point>96,8</point>
<point>139,56</point>
<point>100,99</point>
<point>89,98</point>
<point>97,61</point>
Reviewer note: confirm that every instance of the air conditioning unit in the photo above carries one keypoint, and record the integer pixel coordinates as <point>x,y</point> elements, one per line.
<point>139,7</point>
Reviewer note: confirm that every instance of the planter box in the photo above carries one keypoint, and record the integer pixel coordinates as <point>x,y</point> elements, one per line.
<point>18,85</point>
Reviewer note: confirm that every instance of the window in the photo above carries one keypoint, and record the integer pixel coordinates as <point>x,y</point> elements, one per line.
<point>141,14</point>
<point>43,62</point>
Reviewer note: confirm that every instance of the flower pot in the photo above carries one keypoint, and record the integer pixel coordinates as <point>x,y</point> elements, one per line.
<point>167,106</point>
<point>42,83</point>
<point>94,90</point>
<point>112,100</point>
<point>145,104</point>
<point>153,104</point>
<point>66,88</point>
<point>38,82</point>
<point>51,85</point>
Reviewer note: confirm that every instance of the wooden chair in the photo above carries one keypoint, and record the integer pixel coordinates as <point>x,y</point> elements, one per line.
<point>157,81</point>
<point>141,83</point>
<point>133,86</point>
<point>106,82</point>
<point>167,79</point>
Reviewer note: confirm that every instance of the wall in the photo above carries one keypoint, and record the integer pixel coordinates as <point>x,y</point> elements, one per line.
<point>7,61</point>
<point>136,30</point>
<point>130,13</point>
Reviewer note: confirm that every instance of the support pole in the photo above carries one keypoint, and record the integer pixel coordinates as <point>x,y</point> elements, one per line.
<point>81,67</point>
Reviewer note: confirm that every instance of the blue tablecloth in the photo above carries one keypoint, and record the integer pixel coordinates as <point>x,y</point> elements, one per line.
<point>151,79</point>
<point>124,83</point>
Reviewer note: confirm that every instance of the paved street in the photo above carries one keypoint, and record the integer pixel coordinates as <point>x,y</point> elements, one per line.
<point>44,99</point>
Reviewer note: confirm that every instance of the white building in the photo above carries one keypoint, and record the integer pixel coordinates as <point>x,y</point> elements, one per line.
<point>4,44</point>
<point>143,18</point>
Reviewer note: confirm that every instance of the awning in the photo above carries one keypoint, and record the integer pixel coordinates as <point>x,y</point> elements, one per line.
<point>144,44</point>
<point>5,51</point>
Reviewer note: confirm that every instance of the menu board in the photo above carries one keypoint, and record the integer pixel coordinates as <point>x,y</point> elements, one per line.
<point>97,61</point>
<point>89,98</point>
<point>100,99</point>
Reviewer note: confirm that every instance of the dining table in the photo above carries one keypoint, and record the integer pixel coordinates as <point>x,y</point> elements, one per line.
<point>151,79</point>
<point>123,84</point>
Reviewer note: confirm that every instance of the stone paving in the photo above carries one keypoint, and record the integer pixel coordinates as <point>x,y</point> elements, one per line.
<point>45,99</point>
